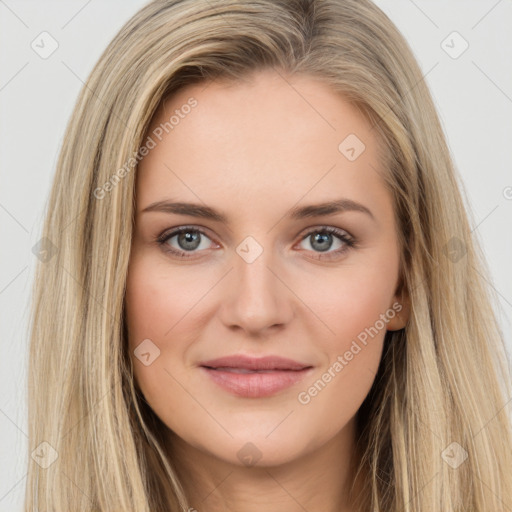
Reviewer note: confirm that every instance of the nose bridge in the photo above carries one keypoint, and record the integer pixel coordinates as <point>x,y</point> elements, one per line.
<point>252,269</point>
<point>258,299</point>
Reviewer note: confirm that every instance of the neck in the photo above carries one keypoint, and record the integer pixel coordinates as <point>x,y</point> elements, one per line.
<point>322,479</point>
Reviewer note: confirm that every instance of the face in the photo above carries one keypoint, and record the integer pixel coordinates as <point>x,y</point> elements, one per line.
<point>297,298</point>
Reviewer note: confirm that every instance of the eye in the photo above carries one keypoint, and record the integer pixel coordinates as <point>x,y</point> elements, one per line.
<point>322,240</point>
<point>188,239</point>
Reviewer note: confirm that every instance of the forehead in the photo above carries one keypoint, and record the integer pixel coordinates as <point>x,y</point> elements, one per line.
<point>268,140</point>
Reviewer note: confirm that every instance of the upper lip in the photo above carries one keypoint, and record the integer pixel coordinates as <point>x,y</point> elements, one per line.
<point>255,363</point>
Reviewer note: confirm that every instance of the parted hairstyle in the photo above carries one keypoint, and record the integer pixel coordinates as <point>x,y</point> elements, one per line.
<point>444,378</point>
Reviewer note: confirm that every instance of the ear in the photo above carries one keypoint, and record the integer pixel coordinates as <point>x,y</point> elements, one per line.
<point>402,306</point>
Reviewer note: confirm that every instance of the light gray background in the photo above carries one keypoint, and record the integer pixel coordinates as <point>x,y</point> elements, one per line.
<point>473,94</point>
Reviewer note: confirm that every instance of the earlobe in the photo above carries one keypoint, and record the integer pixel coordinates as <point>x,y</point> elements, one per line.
<point>401,307</point>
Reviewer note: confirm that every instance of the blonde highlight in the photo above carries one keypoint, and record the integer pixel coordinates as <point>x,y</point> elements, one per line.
<point>443,378</point>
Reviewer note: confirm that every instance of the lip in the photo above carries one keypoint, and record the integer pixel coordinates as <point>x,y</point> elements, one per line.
<point>255,363</point>
<point>252,377</point>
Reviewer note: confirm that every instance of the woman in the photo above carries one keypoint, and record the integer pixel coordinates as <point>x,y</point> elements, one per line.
<point>196,342</point>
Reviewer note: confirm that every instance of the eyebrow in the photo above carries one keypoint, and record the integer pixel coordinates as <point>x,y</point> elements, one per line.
<point>297,213</point>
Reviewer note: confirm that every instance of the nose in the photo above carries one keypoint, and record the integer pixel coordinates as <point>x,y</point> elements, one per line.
<point>257,296</point>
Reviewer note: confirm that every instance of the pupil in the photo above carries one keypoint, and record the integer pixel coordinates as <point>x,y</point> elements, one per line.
<point>189,241</point>
<point>322,238</point>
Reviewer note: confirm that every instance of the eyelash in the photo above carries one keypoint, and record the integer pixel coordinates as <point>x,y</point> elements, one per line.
<point>348,241</point>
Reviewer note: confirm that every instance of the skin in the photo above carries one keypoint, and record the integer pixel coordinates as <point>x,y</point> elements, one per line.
<point>254,150</point>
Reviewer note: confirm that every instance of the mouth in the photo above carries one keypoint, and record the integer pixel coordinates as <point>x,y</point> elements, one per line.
<point>242,362</point>
<point>251,377</point>
<point>244,370</point>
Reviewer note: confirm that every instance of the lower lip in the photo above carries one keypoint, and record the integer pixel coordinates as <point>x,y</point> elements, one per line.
<point>257,384</point>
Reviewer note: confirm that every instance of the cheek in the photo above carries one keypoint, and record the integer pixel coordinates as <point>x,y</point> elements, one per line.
<point>352,350</point>
<point>160,307</point>
<point>352,301</point>
<point>355,305</point>
<point>158,301</point>
<point>354,315</point>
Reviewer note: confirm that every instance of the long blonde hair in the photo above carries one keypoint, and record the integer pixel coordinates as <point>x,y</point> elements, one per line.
<point>443,379</point>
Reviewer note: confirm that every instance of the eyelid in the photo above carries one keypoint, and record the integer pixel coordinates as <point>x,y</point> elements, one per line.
<point>326,228</point>
<point>172,232</point>
<point>343,235</point>
<point>346,238</point>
